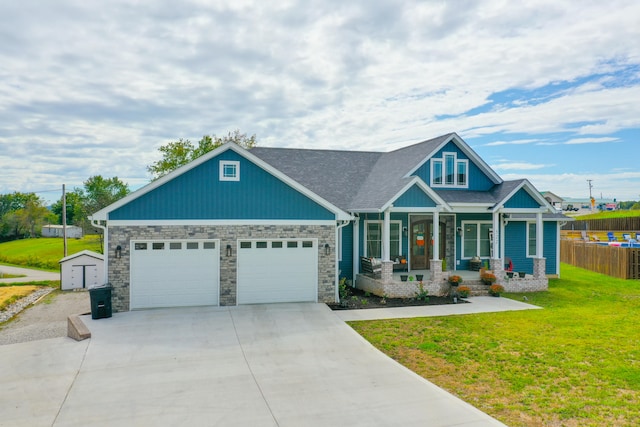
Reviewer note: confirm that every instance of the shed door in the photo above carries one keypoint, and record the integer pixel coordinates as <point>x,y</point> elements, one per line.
<point>277,271</point>
<point>84,276</point>
<point>174,273</point>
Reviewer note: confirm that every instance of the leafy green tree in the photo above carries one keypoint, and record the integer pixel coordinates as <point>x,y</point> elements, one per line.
<point>32,216</point>
<point>74,208</point>
<point>24,216</point>
<point>15,201</point>
<point>100,192</point>
<point>18,212</point>
<point>179,153</point>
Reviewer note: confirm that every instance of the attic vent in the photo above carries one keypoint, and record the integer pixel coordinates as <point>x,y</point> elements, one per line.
<point>229,170</point>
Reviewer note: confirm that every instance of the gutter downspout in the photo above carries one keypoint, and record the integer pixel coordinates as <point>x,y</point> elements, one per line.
<point>341,224</point>
<point>105,252</point>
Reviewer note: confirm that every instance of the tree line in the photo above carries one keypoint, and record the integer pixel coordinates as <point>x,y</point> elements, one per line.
<point>22,215</point>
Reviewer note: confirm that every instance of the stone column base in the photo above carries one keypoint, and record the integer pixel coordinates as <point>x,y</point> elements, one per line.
<point>387,271</point>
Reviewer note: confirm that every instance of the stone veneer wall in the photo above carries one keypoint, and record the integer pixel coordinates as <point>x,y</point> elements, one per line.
<point>118,269</point>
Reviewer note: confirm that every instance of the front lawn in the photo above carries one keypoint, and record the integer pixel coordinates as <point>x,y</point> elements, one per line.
<point>45,252</point>
<point>575,363</point>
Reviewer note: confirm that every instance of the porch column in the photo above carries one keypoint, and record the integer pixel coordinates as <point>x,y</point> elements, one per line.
<point>386,236</point>
<point>496,251</point>
<point>502,239</point>
<point>436,235</point>
<point>497,261</point>
<point>356,248</point>
<point>539,235</point>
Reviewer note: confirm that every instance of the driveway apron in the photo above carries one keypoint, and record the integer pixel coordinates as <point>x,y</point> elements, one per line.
<point>260,365</point>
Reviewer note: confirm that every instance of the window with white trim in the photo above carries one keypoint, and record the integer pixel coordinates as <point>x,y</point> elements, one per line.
<point>373,238</point>
<point>531,239</point>
<point>476,239</point>
<point>449,171</point>
<point>229,170</point>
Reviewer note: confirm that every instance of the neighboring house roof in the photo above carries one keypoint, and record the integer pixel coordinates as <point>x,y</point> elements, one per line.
<point>554,198</point>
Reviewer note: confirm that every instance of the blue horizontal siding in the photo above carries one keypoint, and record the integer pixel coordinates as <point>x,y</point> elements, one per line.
<point>521,199</point>
<point>478,180</point>
<point>414,197</point>
<point>199,194</point>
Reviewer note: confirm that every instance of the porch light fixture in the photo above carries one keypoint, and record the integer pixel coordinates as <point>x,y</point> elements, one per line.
<point>118,251</point>
<point>228,250</point>
<point>459,230</point>
<point>327,249</point>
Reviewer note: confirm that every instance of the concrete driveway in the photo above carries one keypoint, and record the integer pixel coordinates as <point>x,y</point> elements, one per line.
<point>260,365</point>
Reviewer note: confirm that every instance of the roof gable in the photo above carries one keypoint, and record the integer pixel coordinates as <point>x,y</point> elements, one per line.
<point>195,191</point>
<point>85,252</point>
<point>520,195</point>
<point>414,197</point>
<point>452,143</point>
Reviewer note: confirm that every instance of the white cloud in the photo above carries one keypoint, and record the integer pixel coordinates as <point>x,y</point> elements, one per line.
<point>518,166</point>
<point>591,140</point>
<point>96,88</point>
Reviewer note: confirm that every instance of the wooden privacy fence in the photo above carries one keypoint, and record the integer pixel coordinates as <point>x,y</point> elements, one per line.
<point>605,224</point>
<point>614,261</point>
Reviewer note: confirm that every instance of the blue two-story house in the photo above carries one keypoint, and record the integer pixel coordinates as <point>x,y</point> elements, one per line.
<point>283,225</point>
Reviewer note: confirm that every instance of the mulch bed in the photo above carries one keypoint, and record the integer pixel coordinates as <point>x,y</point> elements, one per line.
<point>358,299</point>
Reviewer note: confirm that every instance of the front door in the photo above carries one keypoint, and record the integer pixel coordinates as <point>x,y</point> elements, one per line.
<point>421,243</point>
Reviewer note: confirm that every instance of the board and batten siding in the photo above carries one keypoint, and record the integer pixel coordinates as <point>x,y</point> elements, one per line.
<point>522,199</point>
<point>516,246</point>
<point>199,194</point>
<point>345,264</point>
<point>414,197</point>
<point>477,179</point>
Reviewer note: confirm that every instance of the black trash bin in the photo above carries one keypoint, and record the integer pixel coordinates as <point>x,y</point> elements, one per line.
<point>100,301</point>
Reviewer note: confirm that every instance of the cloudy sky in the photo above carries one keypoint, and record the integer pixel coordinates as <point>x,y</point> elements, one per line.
<point>549,91</point>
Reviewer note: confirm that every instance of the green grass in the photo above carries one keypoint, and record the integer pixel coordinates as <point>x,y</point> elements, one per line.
<point>575,363</point>
<point>610,214</point>
<point>44,253</point>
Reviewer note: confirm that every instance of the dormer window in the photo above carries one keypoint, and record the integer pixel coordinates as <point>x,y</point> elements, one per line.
<point>229,170</point>
<point>449,171</point>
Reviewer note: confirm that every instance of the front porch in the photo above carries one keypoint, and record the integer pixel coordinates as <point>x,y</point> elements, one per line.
<point>435,281</point>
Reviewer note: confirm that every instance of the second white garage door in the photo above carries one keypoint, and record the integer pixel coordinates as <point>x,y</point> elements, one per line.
<point>277,271</point>
<point>174,273</point>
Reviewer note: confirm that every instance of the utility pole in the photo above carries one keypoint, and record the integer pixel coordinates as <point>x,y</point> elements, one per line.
<point>591,202</point>
<point>64,219</point>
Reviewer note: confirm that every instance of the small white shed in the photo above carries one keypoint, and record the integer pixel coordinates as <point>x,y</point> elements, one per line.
<point>82,270</point>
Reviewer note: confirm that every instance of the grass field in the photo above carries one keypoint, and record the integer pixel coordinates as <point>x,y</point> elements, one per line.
<point>43,252</point>
<point>610,214</point>
<point>575,363</point>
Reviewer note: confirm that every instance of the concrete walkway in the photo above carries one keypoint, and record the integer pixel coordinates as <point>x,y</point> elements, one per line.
<point>259,365</point>
<point>475,305</point>
<point>30,275</point>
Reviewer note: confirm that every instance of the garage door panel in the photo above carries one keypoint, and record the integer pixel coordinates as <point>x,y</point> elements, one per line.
<point>174,276</point>
<point>277,273</point>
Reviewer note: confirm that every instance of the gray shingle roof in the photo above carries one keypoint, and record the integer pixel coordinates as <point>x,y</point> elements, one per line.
<point>332,174</point>
<point>364,180</point>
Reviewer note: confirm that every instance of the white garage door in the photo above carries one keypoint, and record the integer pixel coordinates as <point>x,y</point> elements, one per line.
<point>277,271</point>
<point>174,273</point>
